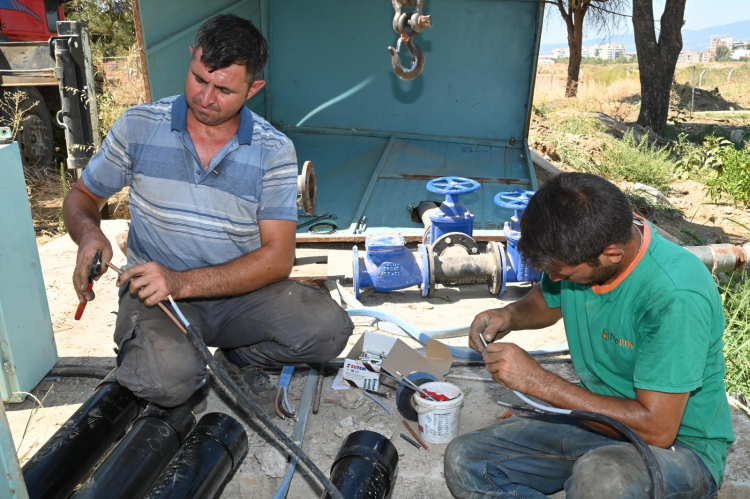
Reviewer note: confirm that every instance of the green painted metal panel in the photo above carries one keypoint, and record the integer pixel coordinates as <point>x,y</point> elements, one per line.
<point>477,80</point>
<point>27,341</point>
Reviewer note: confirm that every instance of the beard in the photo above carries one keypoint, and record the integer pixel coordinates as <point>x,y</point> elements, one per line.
<point>601,274</point>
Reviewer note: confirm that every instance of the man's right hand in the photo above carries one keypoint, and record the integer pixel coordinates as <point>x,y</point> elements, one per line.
<point>86,251</point>
<point>492,324</point>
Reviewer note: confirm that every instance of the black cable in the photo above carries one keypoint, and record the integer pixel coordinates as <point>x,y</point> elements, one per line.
<point>654,470</point>
<point>250,408</point>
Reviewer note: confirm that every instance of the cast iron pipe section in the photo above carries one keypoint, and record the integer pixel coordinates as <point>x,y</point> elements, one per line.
<point>364,466</point>
<point>81,442</point>
<point>133,466</point>
<point>464,269</point>
<point>214,448</point>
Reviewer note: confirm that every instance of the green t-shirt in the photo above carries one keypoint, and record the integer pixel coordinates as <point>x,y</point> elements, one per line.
<point>659,327</point>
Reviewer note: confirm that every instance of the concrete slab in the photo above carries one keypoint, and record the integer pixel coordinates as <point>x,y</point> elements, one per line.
<point>89,342</point>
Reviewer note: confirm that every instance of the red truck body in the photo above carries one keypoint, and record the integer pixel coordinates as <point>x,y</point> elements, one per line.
<point>29,20</point>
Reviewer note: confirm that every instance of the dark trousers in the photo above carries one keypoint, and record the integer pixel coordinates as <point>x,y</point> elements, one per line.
<point>284,323</point>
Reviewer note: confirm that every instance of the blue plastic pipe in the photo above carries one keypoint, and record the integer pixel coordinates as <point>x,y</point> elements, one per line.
<point>299,429</point>
<point>420,336</point>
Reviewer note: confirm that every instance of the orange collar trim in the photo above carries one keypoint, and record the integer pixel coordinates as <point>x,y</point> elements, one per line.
<point>598,290</point>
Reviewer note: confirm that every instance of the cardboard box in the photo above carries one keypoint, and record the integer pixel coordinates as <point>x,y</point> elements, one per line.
<point>398,356</point>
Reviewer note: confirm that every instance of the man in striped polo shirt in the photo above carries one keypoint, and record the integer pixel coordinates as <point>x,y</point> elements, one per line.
<point>213,191</point>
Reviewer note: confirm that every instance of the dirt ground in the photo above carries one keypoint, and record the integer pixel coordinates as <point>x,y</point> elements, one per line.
<point>89,342</point>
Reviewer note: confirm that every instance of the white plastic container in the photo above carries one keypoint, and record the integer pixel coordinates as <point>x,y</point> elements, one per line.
<point>438,421</point>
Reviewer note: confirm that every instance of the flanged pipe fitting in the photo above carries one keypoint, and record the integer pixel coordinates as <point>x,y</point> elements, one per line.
<point>455,258</point>
<point>518,269</point>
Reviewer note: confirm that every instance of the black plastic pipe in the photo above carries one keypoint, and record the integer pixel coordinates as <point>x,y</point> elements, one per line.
<point>133,466</point>
<point>211,451</point>
<point>60,465</point>
<point>364,466</point>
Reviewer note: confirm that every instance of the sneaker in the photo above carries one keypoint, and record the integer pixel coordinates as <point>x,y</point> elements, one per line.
<point>252,380</point>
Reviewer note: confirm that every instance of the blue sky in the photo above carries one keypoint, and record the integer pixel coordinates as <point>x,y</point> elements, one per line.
<point>699,14</point>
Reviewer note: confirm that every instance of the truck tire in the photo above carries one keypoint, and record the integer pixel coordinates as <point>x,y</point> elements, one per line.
<point>35,135</point>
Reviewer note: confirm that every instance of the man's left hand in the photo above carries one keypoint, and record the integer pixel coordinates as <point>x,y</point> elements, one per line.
<point>512,366</point>
<point>152,282</point>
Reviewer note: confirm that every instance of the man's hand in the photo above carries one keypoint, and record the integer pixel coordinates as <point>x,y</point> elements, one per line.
<point>512,366</point>
<point>93,241</point>
<point>492,324</point>
<point>152,282</point>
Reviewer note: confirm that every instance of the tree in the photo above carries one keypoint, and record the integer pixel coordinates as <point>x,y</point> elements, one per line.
<point>722,53</point>
<point>657,59</point>
<point>601,15</point>
<point>110,24</point>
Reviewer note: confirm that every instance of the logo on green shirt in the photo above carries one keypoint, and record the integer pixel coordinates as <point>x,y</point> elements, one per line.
<point>618,341</point>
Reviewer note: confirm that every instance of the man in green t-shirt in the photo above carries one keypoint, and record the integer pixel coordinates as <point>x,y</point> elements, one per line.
<point>644,323</point>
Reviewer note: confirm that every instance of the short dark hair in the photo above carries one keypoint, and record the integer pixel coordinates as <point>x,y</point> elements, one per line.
<point>228,39</point>
<point>572,219</point>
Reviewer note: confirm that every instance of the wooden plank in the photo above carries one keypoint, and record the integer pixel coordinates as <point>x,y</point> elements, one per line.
<point>310,266</point>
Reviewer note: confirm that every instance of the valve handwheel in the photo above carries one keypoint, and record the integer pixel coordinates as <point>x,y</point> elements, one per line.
<point>452,185</point>
<point>514,200</point>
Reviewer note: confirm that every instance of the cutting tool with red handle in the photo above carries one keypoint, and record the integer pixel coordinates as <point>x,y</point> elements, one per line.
<point>94,269</point>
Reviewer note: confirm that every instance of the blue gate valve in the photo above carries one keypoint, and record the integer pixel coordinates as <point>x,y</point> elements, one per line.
<point>452,215</point>
<point>520,270</point>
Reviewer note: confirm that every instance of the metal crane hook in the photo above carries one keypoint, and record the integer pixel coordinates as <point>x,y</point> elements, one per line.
<point>417,59</point>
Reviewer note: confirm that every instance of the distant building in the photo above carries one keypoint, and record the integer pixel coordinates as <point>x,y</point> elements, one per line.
<point>708,56</point>
<point>739,53</point>
<point>611,51</point>
<point>561,53</point>
<point>727,41</point>
<point>689,57</point>
<point>608,51</point>
<point>545,61</point>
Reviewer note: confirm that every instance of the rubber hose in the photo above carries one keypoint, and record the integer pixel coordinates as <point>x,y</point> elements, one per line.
<point>99,372</point>
<point>249,407</point>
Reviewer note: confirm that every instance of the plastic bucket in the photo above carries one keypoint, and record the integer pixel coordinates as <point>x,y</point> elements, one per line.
<point>438,421</point>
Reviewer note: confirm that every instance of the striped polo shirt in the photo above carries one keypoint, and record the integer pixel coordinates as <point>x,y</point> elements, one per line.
<point>183,217</point>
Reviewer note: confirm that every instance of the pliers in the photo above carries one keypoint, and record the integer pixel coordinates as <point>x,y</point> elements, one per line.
<point>94,269</point>
<point>281,402</point>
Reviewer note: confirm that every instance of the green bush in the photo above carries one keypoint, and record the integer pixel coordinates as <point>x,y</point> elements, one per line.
<point>735,297</point>
<point>637,161</point>
<point>729,177</point>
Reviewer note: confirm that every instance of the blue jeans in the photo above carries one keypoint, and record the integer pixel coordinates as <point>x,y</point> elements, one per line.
<point>530,457</point>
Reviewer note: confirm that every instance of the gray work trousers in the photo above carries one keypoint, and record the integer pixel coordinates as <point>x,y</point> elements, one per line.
<point>284,323</point>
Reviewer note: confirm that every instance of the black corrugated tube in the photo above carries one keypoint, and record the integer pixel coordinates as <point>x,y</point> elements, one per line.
<point>364,466</point>
<point>137,461</point>
<point>60,465</point>
<point>211,451</point>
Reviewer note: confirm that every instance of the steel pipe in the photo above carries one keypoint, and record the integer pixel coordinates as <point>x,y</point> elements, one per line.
<point>214,448</point>
<point>722,257</point>
<point>81,442</point>
<point>134,465</point>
